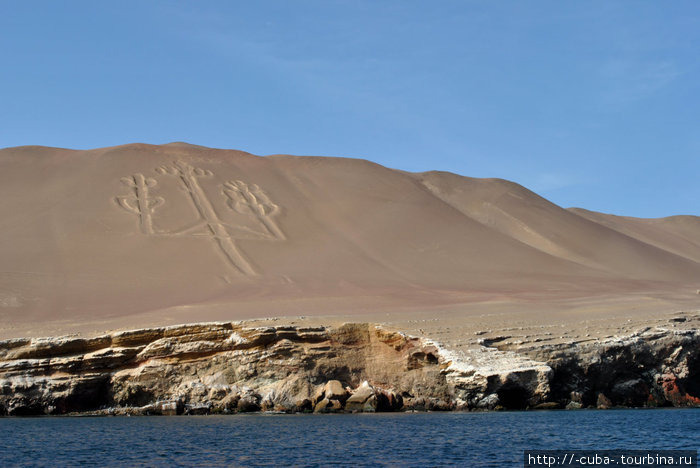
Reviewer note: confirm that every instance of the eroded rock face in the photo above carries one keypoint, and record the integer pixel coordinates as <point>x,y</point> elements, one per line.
<point>652,367</point>
<point>658,367</point>
<point>220,367</point>
<point>228,368</point>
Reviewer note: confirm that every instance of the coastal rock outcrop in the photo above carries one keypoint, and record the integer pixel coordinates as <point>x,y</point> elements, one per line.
<point>218,368</point>
<point>652,367</point>
<point>230,367</point>
<point>655,367</point>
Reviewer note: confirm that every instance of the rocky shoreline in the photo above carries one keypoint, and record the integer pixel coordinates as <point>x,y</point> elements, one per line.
<point>231,367</point>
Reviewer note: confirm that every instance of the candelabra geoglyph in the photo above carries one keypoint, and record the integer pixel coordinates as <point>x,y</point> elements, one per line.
<point>245,199</point>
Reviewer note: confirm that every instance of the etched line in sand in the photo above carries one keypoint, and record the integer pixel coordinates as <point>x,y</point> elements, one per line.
<point>139,202</point>
<point>245,199</point>
<point>252,200</point>
<point>189,174</point>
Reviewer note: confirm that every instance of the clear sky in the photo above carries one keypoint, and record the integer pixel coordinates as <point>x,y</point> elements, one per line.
<point>589,103</point>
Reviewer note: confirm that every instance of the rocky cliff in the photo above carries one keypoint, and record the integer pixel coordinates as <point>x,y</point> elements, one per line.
<point>655,366</point>
<point>220,367</point>
<point>232,367</point>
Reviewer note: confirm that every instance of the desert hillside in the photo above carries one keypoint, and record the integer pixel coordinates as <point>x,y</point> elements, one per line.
<point>141,234</point>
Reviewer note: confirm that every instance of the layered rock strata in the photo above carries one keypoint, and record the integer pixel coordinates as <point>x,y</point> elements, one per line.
<point>220,367</point>
<point>231,367</point>
<point>653,367</point>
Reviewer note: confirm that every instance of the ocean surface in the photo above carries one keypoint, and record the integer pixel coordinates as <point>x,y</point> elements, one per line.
<point>403,439</point>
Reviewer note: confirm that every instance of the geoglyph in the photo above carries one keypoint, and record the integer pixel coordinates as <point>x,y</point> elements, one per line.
<point>243,198</point>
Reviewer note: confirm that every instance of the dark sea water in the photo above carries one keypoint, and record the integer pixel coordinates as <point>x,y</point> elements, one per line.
<point>411,439</point>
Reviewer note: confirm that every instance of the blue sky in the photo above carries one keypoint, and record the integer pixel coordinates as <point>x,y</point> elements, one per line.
<point>591,103</point>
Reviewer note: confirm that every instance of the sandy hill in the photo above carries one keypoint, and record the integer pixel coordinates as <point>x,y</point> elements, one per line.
<point>139,233</point>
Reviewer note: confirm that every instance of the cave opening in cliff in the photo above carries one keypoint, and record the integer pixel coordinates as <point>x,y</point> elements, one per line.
<point>87,395</point>
<point>32,409</point>
<point>513,397</point>
<point>691,383</point>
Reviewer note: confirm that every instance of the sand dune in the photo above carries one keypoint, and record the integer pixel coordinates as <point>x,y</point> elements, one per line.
<point>676,234</point>
<point>140,233</point>
<point>521,214</point>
